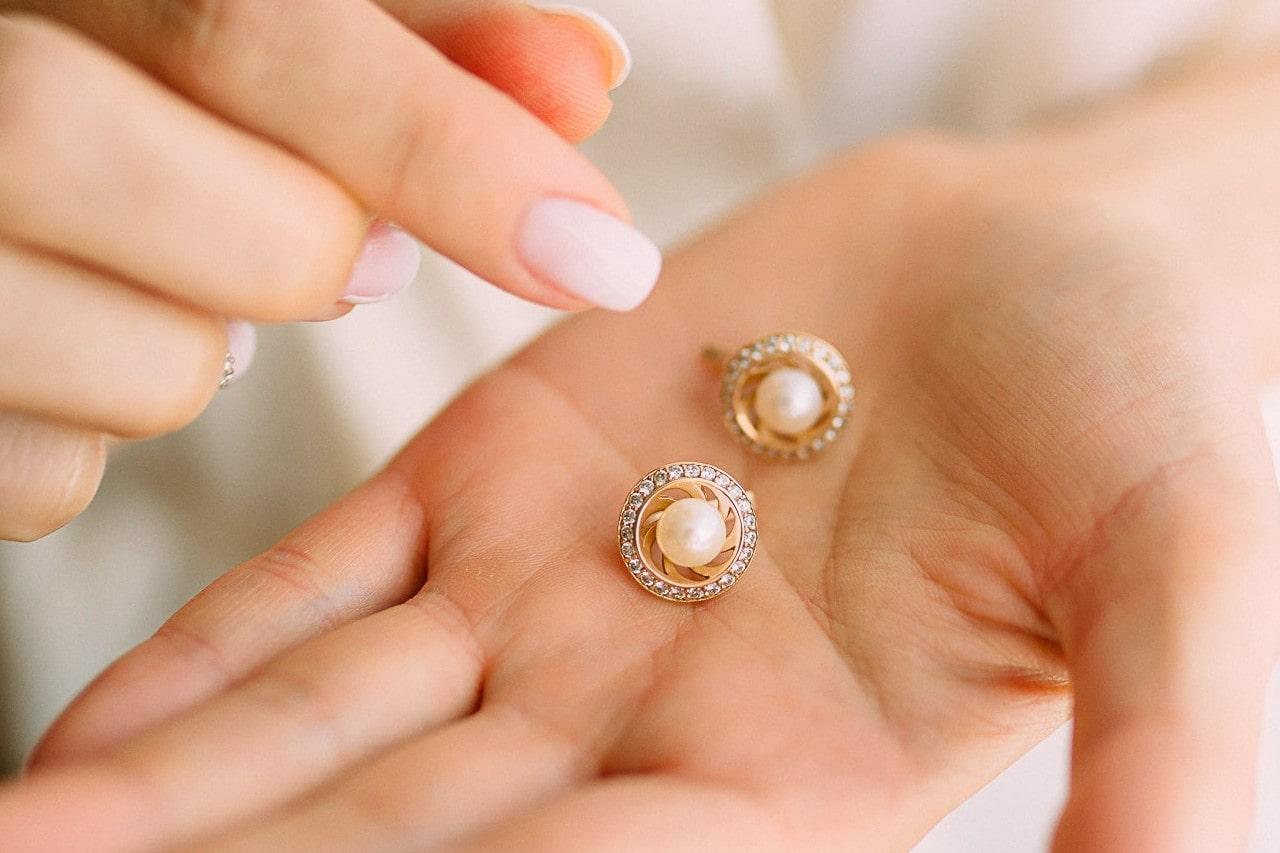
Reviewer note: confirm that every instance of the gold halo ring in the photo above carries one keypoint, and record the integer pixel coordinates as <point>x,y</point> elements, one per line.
<point>687,531</point>
<point>786,395</point>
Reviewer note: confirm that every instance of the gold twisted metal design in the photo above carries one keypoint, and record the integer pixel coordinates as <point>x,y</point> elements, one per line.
<point>751,365</point>
<point>642,514</point>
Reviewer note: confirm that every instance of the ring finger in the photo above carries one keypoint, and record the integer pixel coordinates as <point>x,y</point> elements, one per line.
<point>83,349</point>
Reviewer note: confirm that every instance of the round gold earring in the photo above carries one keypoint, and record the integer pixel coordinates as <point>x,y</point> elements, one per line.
<point>786,395</point>
<point>687,531</point>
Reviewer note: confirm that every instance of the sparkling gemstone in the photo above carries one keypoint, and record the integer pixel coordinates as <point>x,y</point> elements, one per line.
<point>708,473</point>
<point>628,550</point>
<point>660,477</point>
<point>645,488</point>
<point>722,481</point>
<point>749,538</point>
<point>675,472</point>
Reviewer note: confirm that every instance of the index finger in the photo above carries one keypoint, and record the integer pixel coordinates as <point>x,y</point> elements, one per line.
<point>414,137</point>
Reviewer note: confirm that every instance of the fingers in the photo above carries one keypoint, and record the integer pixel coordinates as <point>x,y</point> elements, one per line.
<point>76,345</point>
<point>196,208</point>
<point>418,140</point>
<point>318,708</point>
<point>432,791</point>
<point>359,556</point>
<point>48,473</point>
<point>1170,634</point>
<point>556,61</point>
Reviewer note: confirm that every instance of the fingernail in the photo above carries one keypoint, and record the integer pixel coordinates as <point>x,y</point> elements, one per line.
<point>615,45</point>
<point>388,262</point>
<point>242,342</point>
<point>588,253</point>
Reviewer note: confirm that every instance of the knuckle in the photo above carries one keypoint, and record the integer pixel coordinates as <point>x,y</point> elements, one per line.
<point>294,570</point>
<point>194,359</point>
<point>34,57</point>
<point>203,41</point>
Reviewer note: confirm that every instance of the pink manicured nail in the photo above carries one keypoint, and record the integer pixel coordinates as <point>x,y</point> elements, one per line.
<point>388,262</point>
<point>607,33</point>
<point>588,254</point>
<point>242,342</point>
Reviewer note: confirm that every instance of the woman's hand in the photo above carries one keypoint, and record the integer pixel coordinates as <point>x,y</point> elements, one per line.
<point>191,162</point>
<point>1054,490</point>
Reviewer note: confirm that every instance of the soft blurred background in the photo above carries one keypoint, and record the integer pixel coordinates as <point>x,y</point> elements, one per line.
<point>726,97</point>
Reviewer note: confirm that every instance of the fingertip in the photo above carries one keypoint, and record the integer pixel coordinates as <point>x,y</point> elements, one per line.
<point>616,50</point>
<point>388,263</point>
<point>555,64</point>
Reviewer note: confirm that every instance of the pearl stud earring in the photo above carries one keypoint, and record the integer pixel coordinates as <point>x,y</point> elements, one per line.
<point>786,395</point>
<point>687,532</point>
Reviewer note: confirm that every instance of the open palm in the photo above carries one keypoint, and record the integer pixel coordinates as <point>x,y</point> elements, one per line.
<point>1054,486</point>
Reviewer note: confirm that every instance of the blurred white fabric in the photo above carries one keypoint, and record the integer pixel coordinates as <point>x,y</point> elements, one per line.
<point>726,96</point>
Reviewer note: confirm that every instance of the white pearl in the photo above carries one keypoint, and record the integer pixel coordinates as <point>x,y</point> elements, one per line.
<point>788,401</point>
<point>691,532</point>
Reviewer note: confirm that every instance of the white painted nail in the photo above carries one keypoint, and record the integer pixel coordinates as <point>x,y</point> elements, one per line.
<point>388,263</point>
<point>242,342</point>
<point>619,53</point>
<point>589,254</point>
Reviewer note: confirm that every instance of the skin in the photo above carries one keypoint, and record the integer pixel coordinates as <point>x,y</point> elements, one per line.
<point>1054,496</point>
<point>115,267</point>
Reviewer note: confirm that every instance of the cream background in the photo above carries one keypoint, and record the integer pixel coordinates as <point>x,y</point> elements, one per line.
<point>726,96</point>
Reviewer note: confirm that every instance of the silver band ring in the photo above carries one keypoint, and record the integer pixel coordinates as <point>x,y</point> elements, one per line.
<point>228,370</point>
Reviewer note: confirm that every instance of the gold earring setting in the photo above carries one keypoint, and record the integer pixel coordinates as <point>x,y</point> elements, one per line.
<point>687,532</point>
<point>787,395</point>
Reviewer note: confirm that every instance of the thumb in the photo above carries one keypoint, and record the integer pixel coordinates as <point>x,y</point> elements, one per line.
<point>1170,631</point>
<point>557,61</point>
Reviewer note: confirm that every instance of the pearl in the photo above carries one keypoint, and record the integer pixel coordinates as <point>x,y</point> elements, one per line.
<point>788,401</point>
<point>691,532</point>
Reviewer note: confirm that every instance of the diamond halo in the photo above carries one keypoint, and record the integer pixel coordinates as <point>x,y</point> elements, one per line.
<point>637,523</point>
